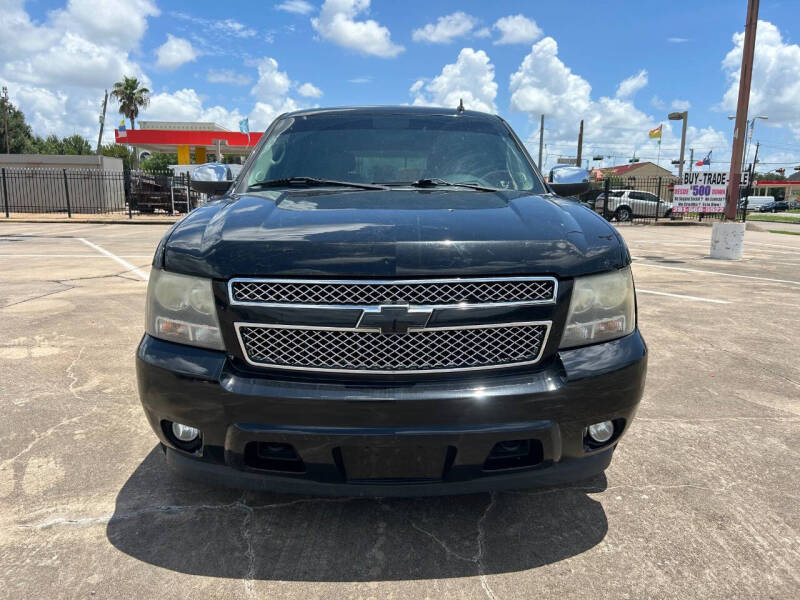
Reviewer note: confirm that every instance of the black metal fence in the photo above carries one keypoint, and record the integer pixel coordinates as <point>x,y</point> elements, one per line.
<point>641,200</point>
<point>91,191</point>
<point>95,192</point>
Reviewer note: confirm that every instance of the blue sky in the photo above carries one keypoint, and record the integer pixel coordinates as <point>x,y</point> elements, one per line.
<point>569,59</point>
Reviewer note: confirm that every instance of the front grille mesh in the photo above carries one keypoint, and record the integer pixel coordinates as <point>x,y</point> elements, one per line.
<point>420,350</point>
<point>366,293</point>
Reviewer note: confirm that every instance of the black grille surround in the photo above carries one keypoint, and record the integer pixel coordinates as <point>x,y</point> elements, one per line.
<point>439,293</point>
<point>430,349</point>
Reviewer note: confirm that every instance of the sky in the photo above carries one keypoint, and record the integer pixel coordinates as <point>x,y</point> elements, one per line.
<point>619,66</point>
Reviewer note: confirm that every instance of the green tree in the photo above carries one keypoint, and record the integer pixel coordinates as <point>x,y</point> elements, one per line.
<point>52,144</point>
<point>21,139</point>
<point>159,162</point>
<point>770,175</point>
<point>118,151</point>
<point>130,97</point>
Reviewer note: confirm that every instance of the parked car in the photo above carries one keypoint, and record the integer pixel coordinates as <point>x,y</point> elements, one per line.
<point>776,206</point>
<point>754,203</point>
<point>390,301</point>
<point>794,204</point>
<point>624,205</point>
<point>590,197</point>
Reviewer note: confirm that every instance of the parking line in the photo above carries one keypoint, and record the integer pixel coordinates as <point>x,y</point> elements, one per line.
<point>682,296</point>
<point>73,255</point>
<point>114,257</point>
<point>644,264</point>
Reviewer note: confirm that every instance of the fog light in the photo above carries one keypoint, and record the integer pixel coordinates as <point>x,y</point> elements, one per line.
<point>601,432</point>
<point>184,433</point>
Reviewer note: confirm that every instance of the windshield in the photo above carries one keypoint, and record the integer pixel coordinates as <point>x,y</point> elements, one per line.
<point>394,149</point>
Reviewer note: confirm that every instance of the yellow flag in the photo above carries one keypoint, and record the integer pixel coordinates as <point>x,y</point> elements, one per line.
<point>656,133</point>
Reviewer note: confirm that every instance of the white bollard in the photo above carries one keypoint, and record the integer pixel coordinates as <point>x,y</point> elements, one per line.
<point>727,240</point>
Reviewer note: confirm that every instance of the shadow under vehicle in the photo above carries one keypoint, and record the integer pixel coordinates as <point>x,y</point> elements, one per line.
<point>201,530</point>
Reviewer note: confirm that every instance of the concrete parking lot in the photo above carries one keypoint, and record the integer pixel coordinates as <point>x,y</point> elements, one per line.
<point>702,499</point>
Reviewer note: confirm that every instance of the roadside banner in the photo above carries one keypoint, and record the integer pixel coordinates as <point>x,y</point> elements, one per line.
<point>703,192</point>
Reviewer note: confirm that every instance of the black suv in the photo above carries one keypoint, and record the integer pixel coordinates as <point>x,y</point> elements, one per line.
<point>390,301</point>
<point>774,206</point>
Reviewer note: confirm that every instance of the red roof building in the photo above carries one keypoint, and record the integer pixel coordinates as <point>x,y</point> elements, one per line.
<point>179,137</point>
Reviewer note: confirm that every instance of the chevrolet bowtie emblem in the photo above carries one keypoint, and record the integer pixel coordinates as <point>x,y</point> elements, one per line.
<point>391,319</point>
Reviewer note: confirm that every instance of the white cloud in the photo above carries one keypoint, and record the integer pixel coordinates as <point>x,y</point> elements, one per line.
<point>362,79</point>
<point>680,105</point>
<point>271,82</point>
<point>235,28</point>
<point>228,76</point>
<point>187,105</point>
<point>628,87</point>
<point>271,93</point>
<point>517,29</point>
<point>56,69</point>
<point>120,23</point>
<point>658,103</point>
<point>446,29</point>
<point>298,7</point>
<point>264,113</point>
<point>677,40</point>
<point>221,30</point>
<point>775,87</point>
<point>483,32</point>
<point>309,90</point>
<point>470,78</point>
<point>543,84</point>
<point>336,23</point>
<point>175,52</point>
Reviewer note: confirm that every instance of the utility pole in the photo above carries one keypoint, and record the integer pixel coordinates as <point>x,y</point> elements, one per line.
<point>580,146</point>
<point>5,117</point>
<point>102,123</point>
<point>742,106</point>
<point>691,160</point>
<point>541,142</point>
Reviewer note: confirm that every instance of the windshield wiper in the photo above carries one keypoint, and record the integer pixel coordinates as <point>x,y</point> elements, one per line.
<point>431,182</point>
<point>313,182</point>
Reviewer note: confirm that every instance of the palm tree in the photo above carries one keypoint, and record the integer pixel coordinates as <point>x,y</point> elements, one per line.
<point>131,98</point>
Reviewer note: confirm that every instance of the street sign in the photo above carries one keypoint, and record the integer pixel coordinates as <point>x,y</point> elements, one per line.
<point>563,160</point>
<point>703,192</point>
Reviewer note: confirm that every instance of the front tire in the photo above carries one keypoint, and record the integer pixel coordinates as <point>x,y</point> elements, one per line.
<point>623,213</point>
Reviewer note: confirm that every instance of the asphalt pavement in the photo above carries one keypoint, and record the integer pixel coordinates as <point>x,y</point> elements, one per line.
<point>702,499</point>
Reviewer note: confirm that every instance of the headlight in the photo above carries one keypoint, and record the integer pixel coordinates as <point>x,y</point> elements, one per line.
<point>181,309</point>
<point>602,308</point>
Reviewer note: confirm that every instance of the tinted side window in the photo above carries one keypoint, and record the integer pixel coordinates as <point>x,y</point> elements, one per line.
<point>637,196</point>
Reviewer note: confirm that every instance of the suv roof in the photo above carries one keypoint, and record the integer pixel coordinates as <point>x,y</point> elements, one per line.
<point>390,110</point>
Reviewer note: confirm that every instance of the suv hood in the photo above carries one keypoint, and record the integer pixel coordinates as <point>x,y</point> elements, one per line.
<point>396,233</point>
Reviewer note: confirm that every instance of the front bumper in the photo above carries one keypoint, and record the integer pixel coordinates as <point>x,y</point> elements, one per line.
<point>423,437</point>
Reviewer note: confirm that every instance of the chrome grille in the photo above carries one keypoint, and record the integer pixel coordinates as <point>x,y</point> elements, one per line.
<point>445,292</point>
<point>429,349</point>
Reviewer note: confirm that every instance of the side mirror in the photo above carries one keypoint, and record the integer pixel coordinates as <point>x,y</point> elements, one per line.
<point>566,180</point>
<point>213,179</point>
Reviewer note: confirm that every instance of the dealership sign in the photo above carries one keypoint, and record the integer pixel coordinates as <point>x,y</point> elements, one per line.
<point>702,192</point>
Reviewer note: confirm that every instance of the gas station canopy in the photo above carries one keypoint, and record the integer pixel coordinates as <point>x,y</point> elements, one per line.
<point>178,137</point>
